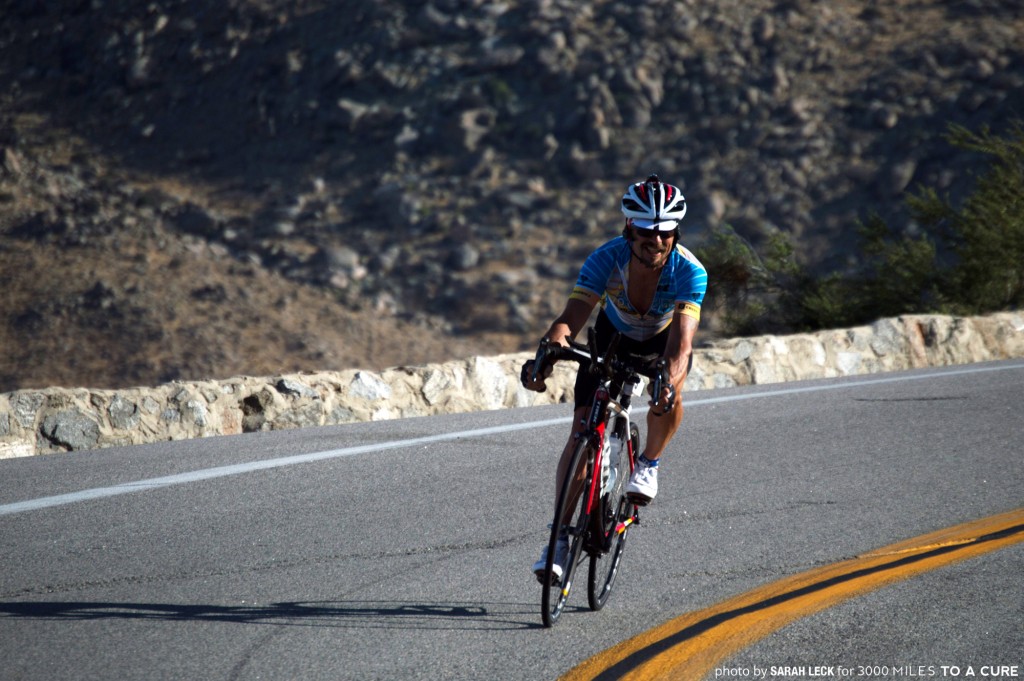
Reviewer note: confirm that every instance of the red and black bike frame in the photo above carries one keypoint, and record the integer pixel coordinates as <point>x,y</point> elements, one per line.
<point>597,424</point>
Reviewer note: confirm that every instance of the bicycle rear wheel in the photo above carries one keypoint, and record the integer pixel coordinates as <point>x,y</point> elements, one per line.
<point>609,529</point>
<point>571,505</point>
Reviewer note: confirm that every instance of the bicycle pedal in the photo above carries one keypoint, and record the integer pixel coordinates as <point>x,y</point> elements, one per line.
<point>638,499</point>
<point>555,580</point>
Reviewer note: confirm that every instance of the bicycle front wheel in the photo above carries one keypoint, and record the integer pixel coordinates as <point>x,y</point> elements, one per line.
<point>570,521</point>
<point>609,528</point>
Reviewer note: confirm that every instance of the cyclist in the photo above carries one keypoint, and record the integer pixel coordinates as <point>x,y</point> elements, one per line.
<point>650,288</point>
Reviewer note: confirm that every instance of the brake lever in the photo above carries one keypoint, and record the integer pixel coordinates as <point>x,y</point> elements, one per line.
<point>659,382</point>
<point>541,358</point>
<point>601,364</point>
<point>592,348</point>
<point>612,347</point>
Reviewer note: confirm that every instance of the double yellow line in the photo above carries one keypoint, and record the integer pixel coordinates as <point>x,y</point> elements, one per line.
<point>690,646</point>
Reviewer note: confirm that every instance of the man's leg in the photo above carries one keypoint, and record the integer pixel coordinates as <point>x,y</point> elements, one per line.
<point>643,484</point>
<point>563,463</point>
<point>660,430</point>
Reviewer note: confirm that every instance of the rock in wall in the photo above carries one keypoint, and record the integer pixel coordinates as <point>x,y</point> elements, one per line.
<point>62,419</point>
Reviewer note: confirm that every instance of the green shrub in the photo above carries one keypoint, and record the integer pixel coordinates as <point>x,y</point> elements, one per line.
<point>986,235</point>
<point>967,260</point>
<point>746,289</point>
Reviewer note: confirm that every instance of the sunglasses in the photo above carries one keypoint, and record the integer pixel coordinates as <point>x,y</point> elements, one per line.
<point>652,233</point>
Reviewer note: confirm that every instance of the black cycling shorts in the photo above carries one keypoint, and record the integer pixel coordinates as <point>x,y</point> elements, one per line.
<point>586,383</point>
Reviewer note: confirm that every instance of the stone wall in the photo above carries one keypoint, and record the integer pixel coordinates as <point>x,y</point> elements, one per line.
<point>64,419</point>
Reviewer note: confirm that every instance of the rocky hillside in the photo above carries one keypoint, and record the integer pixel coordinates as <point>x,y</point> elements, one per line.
<point>194,189</point>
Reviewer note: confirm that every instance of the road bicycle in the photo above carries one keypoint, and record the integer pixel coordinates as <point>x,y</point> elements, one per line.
<point>592,509</point>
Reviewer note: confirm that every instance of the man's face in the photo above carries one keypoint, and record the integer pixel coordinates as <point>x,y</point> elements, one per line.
<point>652,247</point>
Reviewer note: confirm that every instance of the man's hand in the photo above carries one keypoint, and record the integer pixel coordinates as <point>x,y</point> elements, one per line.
<point>526,377</point>
<point>662,402</point>
<point>665,400</point>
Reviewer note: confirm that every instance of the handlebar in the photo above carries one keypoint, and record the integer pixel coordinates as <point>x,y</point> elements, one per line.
<point>608,365</point>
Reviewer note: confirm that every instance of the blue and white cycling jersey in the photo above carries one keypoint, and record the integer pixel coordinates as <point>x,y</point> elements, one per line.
<point>606,273</point>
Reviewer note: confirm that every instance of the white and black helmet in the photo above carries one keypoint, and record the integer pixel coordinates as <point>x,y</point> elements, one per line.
<point>653,204</point>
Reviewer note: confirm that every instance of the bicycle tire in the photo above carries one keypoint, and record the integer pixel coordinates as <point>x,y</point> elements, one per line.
<point>608,538</point>
<point>555,595</point>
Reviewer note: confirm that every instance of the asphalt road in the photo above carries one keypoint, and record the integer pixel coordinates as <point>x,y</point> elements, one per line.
<point>401,549</point>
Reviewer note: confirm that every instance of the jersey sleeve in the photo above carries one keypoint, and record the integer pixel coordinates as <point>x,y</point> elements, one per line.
<point>691,285</point>
<point>689,309</point>
<point>594,275</point>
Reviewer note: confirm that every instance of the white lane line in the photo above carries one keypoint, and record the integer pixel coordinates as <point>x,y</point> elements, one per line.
<point>238,469</point>
<point>854,384</point>
<point>249,467</point>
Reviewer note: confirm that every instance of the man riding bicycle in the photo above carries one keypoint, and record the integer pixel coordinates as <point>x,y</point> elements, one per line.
<point>650,288</point>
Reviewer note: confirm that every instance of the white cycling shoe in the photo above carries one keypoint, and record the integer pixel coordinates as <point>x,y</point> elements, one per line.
<point>561,550</point>
<point>643,484</point>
